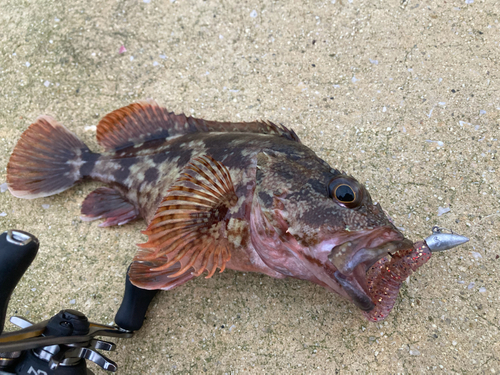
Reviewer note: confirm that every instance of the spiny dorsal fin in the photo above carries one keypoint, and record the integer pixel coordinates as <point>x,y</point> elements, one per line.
<point>190,224</point>
<point>146,121</point>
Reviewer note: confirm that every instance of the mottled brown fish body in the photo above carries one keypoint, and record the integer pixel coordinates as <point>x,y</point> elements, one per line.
<point>247,196</point>
<point>145,172</point>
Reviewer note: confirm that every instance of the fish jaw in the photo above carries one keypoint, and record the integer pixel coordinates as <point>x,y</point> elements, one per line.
<point>356,265</point>
<point>351,258</point>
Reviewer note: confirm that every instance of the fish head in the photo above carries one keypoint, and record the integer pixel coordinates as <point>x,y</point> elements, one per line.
<point>330,230</point>
<point>358,236</point>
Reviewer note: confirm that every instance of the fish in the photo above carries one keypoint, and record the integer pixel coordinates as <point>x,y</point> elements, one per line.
<point>246,196</point>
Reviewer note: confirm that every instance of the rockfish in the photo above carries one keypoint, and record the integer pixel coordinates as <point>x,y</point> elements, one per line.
<point>248,196</point>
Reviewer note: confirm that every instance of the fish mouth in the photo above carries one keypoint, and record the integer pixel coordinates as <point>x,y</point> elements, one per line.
<point>352,263</point>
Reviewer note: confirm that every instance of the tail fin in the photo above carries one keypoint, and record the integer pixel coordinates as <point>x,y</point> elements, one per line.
<point>46,160</point>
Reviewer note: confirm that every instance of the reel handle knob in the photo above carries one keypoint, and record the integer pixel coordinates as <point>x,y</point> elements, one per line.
<point>135,303</point>
<point>17,251</point>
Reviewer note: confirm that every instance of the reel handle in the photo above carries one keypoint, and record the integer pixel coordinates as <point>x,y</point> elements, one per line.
<point>135,303</point>
<point>17,251</point>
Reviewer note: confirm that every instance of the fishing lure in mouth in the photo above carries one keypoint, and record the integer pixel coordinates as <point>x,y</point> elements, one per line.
<point>248,196</point>
<point>385,277</point>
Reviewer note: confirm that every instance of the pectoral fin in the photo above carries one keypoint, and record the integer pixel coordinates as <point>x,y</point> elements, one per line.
<point>189,226</point>
<point>145,275</point>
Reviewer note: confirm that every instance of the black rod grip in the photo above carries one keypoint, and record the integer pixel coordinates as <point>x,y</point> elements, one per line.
<point>135,303</point>
<point>17,251</point>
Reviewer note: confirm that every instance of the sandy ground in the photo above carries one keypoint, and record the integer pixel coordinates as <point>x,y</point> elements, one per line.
<point>404,95</point>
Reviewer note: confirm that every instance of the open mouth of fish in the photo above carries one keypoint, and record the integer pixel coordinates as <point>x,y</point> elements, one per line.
<point>371,268</point>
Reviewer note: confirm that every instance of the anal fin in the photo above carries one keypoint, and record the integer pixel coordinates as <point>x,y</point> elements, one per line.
<point>189,228</point>
<point>109,204</point>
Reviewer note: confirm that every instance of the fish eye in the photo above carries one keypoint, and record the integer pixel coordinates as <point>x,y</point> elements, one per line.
<point>344,194</point>
<point>345,191</point>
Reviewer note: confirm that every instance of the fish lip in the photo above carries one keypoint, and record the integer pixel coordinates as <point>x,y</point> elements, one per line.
<point>367,247</point>
<point>350,263</point>
<point>366,255</point>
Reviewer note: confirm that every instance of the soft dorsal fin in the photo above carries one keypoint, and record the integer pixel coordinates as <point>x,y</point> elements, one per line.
<point>190,224</point>
<point>146,121</point>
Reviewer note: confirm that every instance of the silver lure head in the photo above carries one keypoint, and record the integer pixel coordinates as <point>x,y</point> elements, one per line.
<point>440,241</point>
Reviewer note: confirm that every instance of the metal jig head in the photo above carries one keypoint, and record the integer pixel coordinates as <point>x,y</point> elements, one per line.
<point>440,241</point>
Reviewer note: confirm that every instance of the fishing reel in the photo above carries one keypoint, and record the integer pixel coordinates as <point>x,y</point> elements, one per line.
<point>62,344</point>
